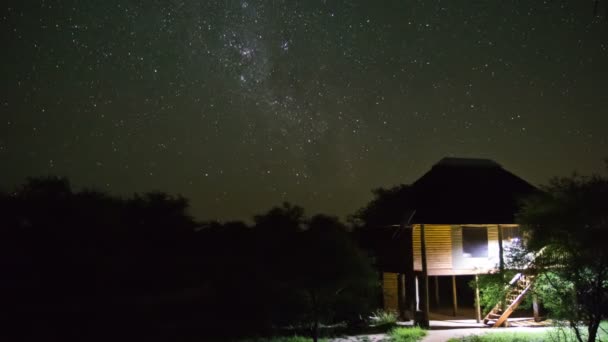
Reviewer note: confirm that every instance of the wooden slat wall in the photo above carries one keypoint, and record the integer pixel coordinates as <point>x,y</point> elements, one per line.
<point>493,252</point>
<point>389,291</point>
<point>438,247</point>
<point>417,252</point>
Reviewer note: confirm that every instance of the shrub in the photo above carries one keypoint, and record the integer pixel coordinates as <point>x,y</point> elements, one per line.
<point>382,317</point>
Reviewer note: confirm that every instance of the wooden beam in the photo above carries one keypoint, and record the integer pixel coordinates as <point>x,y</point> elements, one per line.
<point>400,296</point>
<point>410,278</point>
<point>501,259</point>
<point>502,320</point>
<point>454,297</point>
<point>417,294</point>
<point>535,307</point>
<point>424,321</point>
<point>477,303</point>
<point>437,291</point>
<point>501,265</point>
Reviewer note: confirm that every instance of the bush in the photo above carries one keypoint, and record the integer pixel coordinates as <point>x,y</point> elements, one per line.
<point>492,289</point>
<point>382,317</point>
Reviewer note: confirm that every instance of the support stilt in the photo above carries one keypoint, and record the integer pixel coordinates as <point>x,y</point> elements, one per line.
<point>424,321</point>
<point>437,291</point>
<point>454,297</point>
<point>477,303</point>
<point>535,307</point>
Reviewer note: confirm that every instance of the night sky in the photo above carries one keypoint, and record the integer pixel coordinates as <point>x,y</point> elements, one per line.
<point>241,105</point>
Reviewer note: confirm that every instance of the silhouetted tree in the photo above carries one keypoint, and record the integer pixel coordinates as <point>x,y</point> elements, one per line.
<point>78,264</point>
<point>84,265</point>
<point>386,208</point>
<point>312,269</point>
<point>569,223</point>
<point>334,277</point>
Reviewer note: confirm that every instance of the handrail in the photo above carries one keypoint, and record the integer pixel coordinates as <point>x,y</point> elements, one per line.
<point>515,279</point>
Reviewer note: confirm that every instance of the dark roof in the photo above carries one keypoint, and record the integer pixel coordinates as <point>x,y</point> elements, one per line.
<point>463,190</point>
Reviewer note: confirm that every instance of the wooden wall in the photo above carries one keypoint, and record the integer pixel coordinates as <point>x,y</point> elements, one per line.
<point>390,292</point>
<point>444,250</point>
<point>438,247</point>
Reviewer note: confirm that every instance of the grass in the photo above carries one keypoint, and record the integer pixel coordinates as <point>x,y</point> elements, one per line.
<point>504,337</point>
<point>556,334</point>
<point>406,334</point>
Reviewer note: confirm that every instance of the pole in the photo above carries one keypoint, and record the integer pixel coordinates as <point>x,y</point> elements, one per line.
<point>477,303</point>
<point>454,297</point>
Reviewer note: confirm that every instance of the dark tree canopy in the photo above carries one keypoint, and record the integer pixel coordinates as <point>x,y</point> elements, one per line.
<point>84,265</point>
<point>568,226</point>
<point>389,206</point>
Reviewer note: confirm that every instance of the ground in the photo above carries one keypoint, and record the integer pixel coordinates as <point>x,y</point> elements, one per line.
<point>442,334</point>
<point>444,327</point>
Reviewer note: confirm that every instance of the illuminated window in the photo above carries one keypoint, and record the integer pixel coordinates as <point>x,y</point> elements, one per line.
<point>475,242</point>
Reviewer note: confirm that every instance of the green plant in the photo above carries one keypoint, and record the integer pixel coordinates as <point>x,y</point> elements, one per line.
<point>493,289</point>
<point>383,317</point>
<point>407,334</point>
<point>564,226</point>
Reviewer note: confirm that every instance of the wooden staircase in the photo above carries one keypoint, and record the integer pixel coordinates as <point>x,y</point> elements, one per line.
<point>516,291</point>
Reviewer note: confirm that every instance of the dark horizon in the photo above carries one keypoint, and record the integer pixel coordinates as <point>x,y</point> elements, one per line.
<point>242,105</point>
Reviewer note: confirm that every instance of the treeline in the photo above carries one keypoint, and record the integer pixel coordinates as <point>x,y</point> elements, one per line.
<point>87,266</point>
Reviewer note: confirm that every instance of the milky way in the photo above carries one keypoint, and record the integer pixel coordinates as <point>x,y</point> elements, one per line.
<point>240,105</point>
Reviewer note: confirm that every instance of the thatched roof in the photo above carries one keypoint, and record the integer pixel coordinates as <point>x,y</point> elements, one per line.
<point>468,191</point>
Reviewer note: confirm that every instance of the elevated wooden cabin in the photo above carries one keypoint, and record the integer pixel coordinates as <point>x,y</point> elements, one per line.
<point>459,221</point>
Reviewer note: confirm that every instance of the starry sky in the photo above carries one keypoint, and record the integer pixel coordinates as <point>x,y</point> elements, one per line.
<point>242,104</point>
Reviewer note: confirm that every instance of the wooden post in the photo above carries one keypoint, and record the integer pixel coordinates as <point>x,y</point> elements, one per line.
<point>417,294</point>
<point>410,278</point>
<point>501,259</point>
<point>400,296</point>
<point>501,267</point>
<point>424,322</point>
<point>535,307</point>
<point>437,291</point>
<point>454,297</point>
<point>477,304</point>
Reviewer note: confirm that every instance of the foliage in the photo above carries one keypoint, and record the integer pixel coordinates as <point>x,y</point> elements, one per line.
<point>409,334</point>
<point>383,317</point>
<point>386,208</point>
<point>149,271</point>
<point>328,279</point>
<point>70,254</point>
<point>569,224</point>
<point>556,293</point>
<point>493,288</point>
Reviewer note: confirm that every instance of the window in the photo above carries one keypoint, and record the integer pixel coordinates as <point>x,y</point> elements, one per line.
<point>475,242</point>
